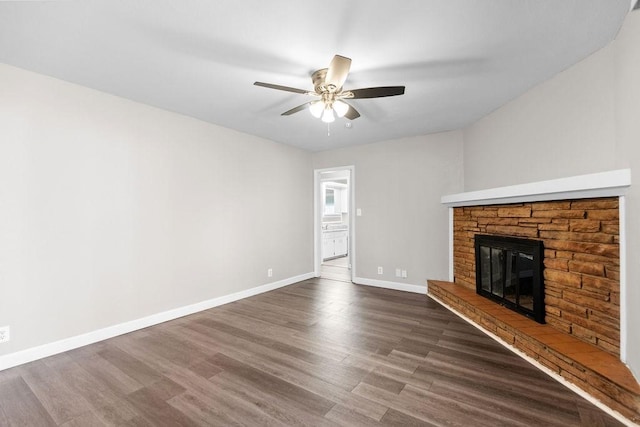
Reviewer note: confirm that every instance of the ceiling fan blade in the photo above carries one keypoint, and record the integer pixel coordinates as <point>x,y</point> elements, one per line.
<point>338,71</point>
<point>352,113</point>
<point>377,92</point>
<point>285,88</point>
<point>296,109</point>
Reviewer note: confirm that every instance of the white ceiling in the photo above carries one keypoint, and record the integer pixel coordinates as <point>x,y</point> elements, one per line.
<point>459,59</point>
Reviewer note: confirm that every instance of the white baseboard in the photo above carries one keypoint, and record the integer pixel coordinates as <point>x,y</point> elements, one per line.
<point>396,286</point>
<point>24,356</point>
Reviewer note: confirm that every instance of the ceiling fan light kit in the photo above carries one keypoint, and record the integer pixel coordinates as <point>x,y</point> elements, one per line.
<point>327,115</point>
<point>340,107</point>
<point>316,108</point>
<point>327,83</point>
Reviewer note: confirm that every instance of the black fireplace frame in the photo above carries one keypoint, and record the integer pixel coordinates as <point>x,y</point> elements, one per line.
<point>531,247</point>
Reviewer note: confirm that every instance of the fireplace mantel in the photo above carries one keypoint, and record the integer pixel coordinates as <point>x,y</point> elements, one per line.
<point>603,184</point>
<point>572,207</point>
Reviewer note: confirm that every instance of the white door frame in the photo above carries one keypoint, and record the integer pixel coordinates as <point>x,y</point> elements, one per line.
<point>317,219</point>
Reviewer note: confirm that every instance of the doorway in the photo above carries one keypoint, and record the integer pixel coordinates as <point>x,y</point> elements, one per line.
<point>334,225</point>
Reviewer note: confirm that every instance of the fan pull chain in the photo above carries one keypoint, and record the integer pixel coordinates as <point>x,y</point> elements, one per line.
<point>328,130</point>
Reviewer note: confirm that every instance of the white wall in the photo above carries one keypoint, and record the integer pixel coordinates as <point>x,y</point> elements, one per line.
<point>583,120</point>
<point>563,127</point>
<point>112,210</point>
<point>627,103</point>
<point>398,185</point>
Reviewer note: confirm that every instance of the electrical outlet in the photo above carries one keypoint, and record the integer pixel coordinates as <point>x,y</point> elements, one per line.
<point>404,274</point>
<point>380,271</point>
<point>398,272</point>
<point>5,334</point>
<point>270,272</point>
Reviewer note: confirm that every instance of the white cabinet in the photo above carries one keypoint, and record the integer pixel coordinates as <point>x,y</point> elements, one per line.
<point>328,247</point>
<point>335,244</point>
<point>340,244</point>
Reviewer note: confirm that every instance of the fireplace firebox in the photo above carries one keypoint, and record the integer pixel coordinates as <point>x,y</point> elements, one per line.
<point>509,271</point>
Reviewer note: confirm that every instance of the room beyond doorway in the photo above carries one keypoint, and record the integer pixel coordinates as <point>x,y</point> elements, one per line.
<point>336,269</point>
<point>334,223</point>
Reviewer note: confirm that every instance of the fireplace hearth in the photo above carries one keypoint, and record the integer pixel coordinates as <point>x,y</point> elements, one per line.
<point>509,271</point>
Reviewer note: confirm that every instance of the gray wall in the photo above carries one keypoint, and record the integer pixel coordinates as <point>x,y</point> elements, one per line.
<point>398,185</point>
<point>112,210</point>
<point>563,127</point>
<point>627,112</point>
<point>583,120</point>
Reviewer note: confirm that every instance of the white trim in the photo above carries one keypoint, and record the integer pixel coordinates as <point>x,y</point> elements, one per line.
<point>540,366</point>
<point>603,184</point>
<point>451,269</point>
<point>352,221</point>
<point>396,286</point>
<point>623,277</point>
<point>317,231</point>
<point>18,358</point>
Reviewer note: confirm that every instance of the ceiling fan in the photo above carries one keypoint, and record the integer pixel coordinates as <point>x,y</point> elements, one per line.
<point>330,95</point>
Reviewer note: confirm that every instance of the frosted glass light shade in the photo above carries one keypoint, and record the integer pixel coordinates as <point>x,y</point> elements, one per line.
<point>328,116</point>
<point>316,108</point>
<point>340,108</point>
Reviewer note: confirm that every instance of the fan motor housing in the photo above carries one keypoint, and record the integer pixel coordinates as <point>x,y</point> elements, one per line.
<point>318,78</point>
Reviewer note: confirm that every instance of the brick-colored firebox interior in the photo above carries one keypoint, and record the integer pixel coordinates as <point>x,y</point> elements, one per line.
<point>581,259</point>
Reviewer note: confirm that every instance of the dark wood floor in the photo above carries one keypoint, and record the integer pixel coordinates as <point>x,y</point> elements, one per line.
<point>319,352</point>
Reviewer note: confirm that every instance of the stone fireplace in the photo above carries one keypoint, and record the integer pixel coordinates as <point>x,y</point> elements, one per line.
<point>578,223</point>
<point>581,259</point>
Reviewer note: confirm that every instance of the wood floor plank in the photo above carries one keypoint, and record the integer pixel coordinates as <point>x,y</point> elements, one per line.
<point>150,404</point>
<point>315,382</point>
<point>20,406</point>
<point>88,419</point>
<point>257,338</point>
<point>504,369</point>
<point>317,353</point>
<point>121,414</point>
<point>397,418</point>
<point>105,373</point>
<point>344,416</point>
<point>384,382</point>
<point>434,409</point>
<point>508,385</point>
<point>97,391</point>
<point>204,413</point>
<point>130,365</point>
<point>286,335</point>
<point>403,364</point>
<point>3,418</point>
<point>62,402</point>
<point>505,405</point>
<point>342,376</point>
<point>595,418</point>
<point>271,405</point>
<point>298,396</point>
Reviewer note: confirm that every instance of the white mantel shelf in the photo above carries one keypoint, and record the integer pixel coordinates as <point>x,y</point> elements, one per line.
<point>603,184</point>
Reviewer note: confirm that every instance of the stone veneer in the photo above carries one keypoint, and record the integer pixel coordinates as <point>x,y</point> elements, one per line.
<point>582,259</point>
